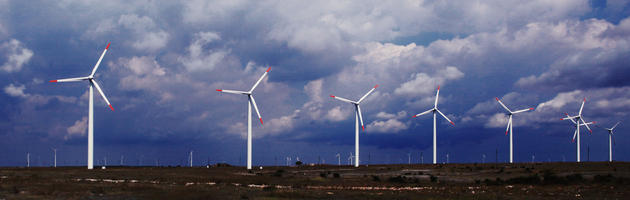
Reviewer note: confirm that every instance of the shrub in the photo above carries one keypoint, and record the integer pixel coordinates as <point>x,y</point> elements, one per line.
<point>433,178</point>
<point>376,178</point>
<point>336,175</point>
<point>397,179</point>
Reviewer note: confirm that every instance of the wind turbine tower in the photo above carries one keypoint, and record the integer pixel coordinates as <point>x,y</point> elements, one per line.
<point>510,124</point>
<point>578,120</point>
<point>611,141</point>
<point>435,110</point>
<point>250,102</point>
<point>357,118</point>
<point>92,82</point>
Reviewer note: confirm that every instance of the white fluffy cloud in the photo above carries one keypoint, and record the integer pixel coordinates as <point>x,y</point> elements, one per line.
<point>390,123</point>
<point>417,85</point>
<point>199,59</point>
<point>15,90</point>
<point>79,128</point>
<point>16,54</point>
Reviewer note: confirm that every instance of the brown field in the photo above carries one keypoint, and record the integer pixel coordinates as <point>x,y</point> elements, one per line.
<point>595,180</point>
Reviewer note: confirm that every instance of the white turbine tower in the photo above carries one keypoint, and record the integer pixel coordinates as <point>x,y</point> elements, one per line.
<point>435,110</point>
<point>510,124</point>
<point>357,118</point>
<point>93,84</point>
<point>611,140</point>
<point>578,120</point>
<point>250,102</point>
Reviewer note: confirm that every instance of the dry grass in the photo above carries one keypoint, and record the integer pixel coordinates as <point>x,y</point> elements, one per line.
<point>454,181</point>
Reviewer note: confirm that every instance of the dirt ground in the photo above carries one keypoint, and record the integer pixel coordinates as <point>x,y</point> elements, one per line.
<point>594,180</point>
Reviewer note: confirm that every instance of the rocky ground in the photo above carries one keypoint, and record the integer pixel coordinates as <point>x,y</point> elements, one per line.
<point>595,180</point>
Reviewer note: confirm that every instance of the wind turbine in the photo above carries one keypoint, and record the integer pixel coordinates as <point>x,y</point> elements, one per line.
<point>578,120</point>
<point>611,139</point>
<point>510,125</point>
<point>93,83</point>
<point>55,157</point>
<point>435,110</point>
<point>357,118</point>
<point>250,102</point>
<point>338,159</point>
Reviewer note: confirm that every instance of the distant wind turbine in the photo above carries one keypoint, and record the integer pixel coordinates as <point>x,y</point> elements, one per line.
<point>611,141</point>
<point>90,79</point>
<point>55,157</point>
<point>435,110</point>
<point>357,118</point>
<point>510,124</point>
<point>578,120</point>
<point>250,102</point>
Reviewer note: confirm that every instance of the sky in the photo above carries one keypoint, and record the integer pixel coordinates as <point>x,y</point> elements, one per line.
<point>167,58</point>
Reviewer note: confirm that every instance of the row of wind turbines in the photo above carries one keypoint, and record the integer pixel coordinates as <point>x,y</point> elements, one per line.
<point>577,120</point>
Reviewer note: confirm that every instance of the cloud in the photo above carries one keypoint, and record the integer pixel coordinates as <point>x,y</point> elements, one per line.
<point>390,124</point>
<point>17,55</point>
<point>198,59</point>
<point>15,90</point>
<point>79,128</point>
<point>593,53</point>
<point>140,32</point>
<point>337,114</point>
<point>417,85</point>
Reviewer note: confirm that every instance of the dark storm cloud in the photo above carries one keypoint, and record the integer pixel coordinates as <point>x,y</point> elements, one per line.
<point>167,58</point>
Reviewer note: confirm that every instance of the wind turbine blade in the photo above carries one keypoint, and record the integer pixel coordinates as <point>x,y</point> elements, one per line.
<point>613,138</point>
<point>615,126</point>
<point>437,96</point>
<point>424,113</point>
<point>98,88</point>
<point>524,110</point>
<point>368,93</point>
<point>582,107</point>
<point>99,60</point>
<point>69,79</point>
<point>445,117</point>
<point>574,134</point>
<point>586,124</point>
<point>260,79</point>
<point>569,117</point>
<point>343,99</point>
<point>360,117</point>
<point>508,125</point>
<point>232,91</point>
<point>499,100</point>
<point>251,97</point>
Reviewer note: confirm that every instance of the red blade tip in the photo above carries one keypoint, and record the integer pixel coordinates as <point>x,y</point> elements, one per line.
<point>594,122</point>
<point>219,90</point>
<point>497,98</point>
<point>363,128</point>
<point>261,122</point>
<point>268,69</point>
<point>107,45</point>
<point>110,106</point>
<point>506,132</point>
<point>376,86</point>
<point>53,81</point>
<point>413,116</point>
<point>438,87</point>
<point>531,108</point>
<point>333,96</point>
<point>561,118</point>
<point>453,123</point>
<point>584,99</point>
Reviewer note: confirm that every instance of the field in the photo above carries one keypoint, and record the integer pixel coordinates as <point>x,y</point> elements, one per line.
<point>594,180</point>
